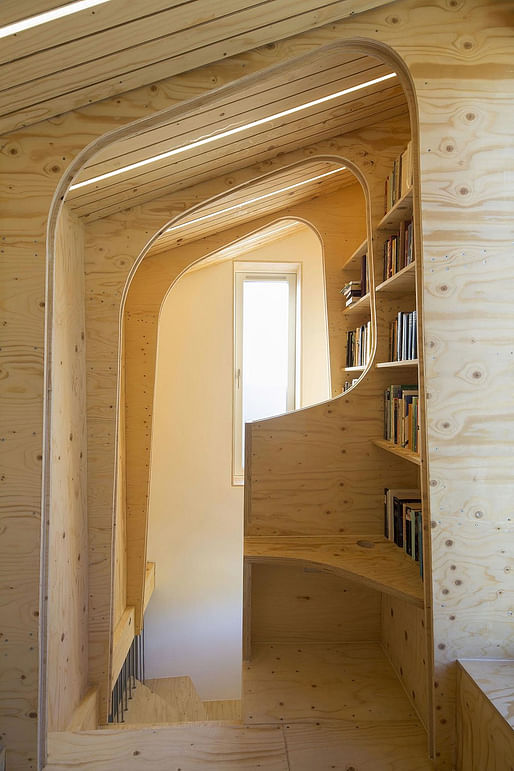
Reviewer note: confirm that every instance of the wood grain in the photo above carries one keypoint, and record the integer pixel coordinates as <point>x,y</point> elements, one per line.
<point>404,639</point>
<point>464,51</point>
<point>62,73</point>
<point>191,748</point>
<point>306,683</point>
<point>67,680</point>
<point>373,561</point>
<point>85,716</point>
<point>300,603</point>
<point>485,736</point>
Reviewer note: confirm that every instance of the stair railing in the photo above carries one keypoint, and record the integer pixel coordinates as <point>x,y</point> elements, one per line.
<point>131,672</point>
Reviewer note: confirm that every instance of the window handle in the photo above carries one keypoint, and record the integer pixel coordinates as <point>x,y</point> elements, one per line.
<point>238,378</point>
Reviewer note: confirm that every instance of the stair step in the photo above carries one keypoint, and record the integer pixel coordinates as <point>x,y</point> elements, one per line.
<point>227,709</point>
<point>145,707</point>
<point>181,696</point>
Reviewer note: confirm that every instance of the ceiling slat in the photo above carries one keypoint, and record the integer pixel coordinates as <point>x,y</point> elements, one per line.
<point>177,24</point>
<point>163,182</point>
<point>15,10</point>
<point>68,86</point>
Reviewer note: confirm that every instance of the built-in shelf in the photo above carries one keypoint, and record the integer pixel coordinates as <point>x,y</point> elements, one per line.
<point>402,210</point>
<point>404,363</point>
<point>357,254</point>
<point>360,368</point>
<point>363,305</point>
<point>402,281</point>
<point>371,560</point>
<point>395,449</point>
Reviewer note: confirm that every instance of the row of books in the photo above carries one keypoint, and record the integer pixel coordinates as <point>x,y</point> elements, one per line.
<point>398,250</point>
<point>358,346</point>
<point>403,522</point>
<point>353,290</point>
<point>348,384</point>
<point>401,416</point>
<point>400,179</point>
<point>403,336</point>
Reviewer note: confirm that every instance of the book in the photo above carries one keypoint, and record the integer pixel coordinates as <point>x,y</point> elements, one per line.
<point>389,497</point>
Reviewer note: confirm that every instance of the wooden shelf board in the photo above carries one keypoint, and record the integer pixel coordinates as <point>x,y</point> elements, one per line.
<point>372,560</point>
<point>405,363</point>
<point>363,304</point>
<point>357,254</point>
<point>402,210</point>
<point>395,449</point>
<point>400,282</point>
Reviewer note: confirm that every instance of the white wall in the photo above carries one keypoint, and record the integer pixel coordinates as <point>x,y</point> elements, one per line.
<point>193,622</point>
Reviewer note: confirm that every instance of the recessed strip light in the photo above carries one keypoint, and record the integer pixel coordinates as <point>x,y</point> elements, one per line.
<point>253,200</point>
<point>231,132</point>
<point>43,18</point>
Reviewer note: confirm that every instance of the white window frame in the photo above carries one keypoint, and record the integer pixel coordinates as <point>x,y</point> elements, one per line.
<point>258,271</point>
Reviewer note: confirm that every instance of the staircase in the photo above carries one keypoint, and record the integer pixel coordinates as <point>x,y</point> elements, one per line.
<point>172,700</point>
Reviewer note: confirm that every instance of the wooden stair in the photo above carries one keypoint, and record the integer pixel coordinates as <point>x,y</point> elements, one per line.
<point>180,694</point>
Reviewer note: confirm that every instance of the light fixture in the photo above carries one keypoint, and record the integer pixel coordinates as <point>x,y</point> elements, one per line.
<point>253,200</point>
<point>43,18</point>
<point>231,132</point>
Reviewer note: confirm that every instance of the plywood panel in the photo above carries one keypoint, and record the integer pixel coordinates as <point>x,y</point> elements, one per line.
<point>85,716</point>
<point>398,746</point>
<point>372,561</point>
<point>404,639</point>
<point>115,48</point>
<point>306,683</point>
<point>300,604</point>
<point>67,580</point>
<point>121,642</point>
<point>188,747</point>
<point>463,50</point>
<point>485,737</point>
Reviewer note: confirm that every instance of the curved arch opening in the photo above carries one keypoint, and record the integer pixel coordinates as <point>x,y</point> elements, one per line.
<point>141,254</point>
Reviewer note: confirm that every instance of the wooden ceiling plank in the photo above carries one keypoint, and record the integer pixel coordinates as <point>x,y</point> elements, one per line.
<point>83,39</point>
<point>321,129</point>
<point>304,87</point>
<point>298,132</point>
<point>282,98</point>
<point>112,206</point>
<point>278,79</point>
<point>52,96</point>
<point>12,11</point>
<point>112,202</point>
<point>343,106</point>
<point>224,222</point>
<point>37,40</point>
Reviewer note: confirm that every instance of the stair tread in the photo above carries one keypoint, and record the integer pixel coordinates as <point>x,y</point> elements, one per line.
<point>181,696</point>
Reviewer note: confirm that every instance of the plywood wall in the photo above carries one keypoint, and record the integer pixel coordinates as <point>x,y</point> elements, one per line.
<point>67,672</point>
<point>298,604</point>
<point>458,55</point>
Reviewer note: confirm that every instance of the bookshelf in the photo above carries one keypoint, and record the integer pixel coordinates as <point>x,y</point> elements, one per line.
<point>356,297</point>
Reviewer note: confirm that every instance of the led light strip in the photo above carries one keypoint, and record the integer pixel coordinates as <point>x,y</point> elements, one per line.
<point>231,132</point>
<point>253,200</point>
<point>43,18</point>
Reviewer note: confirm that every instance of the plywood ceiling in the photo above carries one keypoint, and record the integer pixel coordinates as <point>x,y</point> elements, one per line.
<point>123,44</point>
<point>274,92</point>
<point>213,217</point>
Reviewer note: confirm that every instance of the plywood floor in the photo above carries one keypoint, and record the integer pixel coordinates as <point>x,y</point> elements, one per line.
<point>340,707</point>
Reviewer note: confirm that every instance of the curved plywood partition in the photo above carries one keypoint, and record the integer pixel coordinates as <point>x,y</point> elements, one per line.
<point>374,561</point>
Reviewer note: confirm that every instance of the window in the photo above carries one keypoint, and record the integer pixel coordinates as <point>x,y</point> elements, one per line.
<point>265,347</point>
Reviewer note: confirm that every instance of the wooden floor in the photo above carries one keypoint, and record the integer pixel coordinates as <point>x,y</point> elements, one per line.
<point>340,707</point>
<point>314,707</point>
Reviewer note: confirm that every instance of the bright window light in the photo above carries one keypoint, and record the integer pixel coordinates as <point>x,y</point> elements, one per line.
<point>254,200</point>
<point>231,132</point>
<point>265,310</point>
<point>44,18</point>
